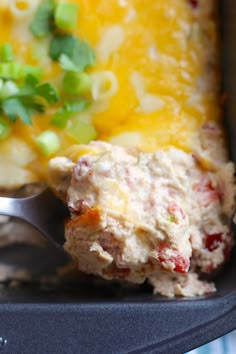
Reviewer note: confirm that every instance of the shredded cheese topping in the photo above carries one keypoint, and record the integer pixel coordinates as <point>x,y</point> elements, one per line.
<point>161,85</point>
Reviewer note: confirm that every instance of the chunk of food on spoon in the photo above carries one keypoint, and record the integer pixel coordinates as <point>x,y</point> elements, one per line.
<point>137,216</point>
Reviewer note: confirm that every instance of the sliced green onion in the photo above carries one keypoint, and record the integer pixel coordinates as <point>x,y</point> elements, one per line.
<point>9,88</point>
<point>1,84</point>
<point>16,71</point>
<point>39,50</point>
<point>60,118</point>
<point>69,109</point>
<point>5,129</point>
<point>42,23</point>
<point>66,16</point>
<point>6,52</point>
<point>11,70</point>
<point>33,71</point>
<point>76,83</point>
<point>48,143</point>
<point>170,218</point>
<point>81,132</point>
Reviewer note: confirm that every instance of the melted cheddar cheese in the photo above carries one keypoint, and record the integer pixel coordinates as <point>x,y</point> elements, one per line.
<point>163,55</point>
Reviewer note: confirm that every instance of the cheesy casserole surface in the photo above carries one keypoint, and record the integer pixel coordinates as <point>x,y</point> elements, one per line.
<point>154,82</point>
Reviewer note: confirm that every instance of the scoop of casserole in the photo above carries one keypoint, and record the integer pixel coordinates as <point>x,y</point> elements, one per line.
<point>138,215</point>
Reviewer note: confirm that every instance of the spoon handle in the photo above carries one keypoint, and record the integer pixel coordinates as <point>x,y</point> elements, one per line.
<point>17,207</point>
<point>28,209</point>
<point>43,211</point>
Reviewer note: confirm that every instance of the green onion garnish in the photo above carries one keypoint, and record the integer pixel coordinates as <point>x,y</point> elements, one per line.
<point>6,52</point>
<point>56,19</point>
<point>15,71</point>
<point>39,50</point>
<point>42,23</point>
<point>66,16</point>
<point>81,132</point>
<point>76,83</point>
<point>68,110</point>
<point>1,84</point>
<point>5,129</point>
<point>48,143</point>
<point>33,71</point>
<point>77,54</point>
<point>11,70</point>
<point>60,118</point>
<point>9,88</point>
<point>29,99</point>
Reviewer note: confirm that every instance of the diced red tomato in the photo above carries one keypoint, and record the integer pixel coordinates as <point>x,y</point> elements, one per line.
<point>83,168</point>
<point>212,242</point>
<point>181,263</point>
<point>206,192</point>
<point>78,207</point>
<point>82,162</point>
<point>175,210</point>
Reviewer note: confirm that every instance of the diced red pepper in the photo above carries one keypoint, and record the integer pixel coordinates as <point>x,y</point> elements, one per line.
<point>208,193</point>
<point>78,207</point>
<point>82,162</point>
<point>212,241</point>
<point>180,262</point>
<point>175,210</point>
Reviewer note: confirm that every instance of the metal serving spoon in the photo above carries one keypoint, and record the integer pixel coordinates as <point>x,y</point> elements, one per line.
<point>43,211</point>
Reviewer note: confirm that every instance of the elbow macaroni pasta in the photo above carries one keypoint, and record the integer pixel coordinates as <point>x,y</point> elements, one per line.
<point>104,85</point>
<point>111,40</point>
<point>22,9</point>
